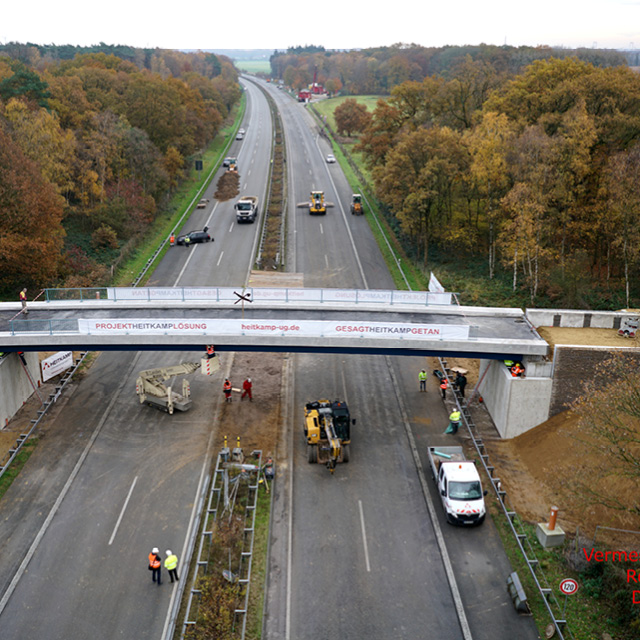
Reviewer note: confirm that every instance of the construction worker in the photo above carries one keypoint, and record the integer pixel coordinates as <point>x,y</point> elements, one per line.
<point>171,565</point>
<point>172,240</point>
<point>155,565</point>
<point>461,382</point>
<point>422,377</point>
<point>517,370</point>
<point>187,241</point>
<point>226,389</point>
<point>444,385</point>
<point>23,299</point>
<point>454,422</point>
<point>211,353</point>
<point>246,389</point>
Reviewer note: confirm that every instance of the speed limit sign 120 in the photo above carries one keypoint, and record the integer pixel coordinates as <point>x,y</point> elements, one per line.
<point>568,586</point>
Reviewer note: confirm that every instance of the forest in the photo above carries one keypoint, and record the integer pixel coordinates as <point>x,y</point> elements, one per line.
<point>534,174</point>
<point>91,147</point>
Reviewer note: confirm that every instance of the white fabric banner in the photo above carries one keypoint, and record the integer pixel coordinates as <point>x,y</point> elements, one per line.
<point>434,284</point>
<point>55,364</point>
<point>303,328</point>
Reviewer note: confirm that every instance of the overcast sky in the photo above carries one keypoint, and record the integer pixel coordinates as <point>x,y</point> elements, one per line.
<point>334,24</point>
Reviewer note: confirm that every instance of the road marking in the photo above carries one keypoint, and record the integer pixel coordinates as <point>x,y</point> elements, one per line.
<point>192,251</point>
<point>364,537</point>
<point>124,506</point>
<point>215,206</point>
<point>231,227</point>
<point>248,174</point>
<point>219,259</point>
<point>45,525</point>
<point>321,229</point>
<point>444,554</point>
<point>326,260</point>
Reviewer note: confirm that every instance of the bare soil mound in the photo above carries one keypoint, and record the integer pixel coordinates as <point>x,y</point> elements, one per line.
<point>228,186</point>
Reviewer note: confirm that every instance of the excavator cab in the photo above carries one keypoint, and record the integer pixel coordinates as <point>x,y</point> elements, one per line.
<point>356,205</point>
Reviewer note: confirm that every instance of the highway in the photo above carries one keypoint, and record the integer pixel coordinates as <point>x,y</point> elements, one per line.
<point>363,551</point>
<point>77,529</point>
<point>353,555</point>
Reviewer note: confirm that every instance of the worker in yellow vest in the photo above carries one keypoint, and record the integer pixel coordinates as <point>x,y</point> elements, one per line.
<point>422,378</point>
<point>455,418</point>
<point>171,565</point>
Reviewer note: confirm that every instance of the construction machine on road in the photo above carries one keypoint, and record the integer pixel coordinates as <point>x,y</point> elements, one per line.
<point>356,205</point>
<point>151,389</point>
<point>327,428</point>
<point>316,203</point>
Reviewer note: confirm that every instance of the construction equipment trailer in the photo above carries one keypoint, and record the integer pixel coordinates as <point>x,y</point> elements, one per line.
<point>327,429</point>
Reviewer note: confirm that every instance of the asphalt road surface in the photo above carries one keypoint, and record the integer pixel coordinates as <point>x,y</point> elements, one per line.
<point>128,476</point>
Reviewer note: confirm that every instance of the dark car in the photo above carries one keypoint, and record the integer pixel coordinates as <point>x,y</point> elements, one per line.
<point>194,236</point>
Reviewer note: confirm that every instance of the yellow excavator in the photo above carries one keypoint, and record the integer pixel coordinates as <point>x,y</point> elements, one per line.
<point>356,204</point>
<point>316,203</point>
<point>327,428</point>
<point>151,389</point>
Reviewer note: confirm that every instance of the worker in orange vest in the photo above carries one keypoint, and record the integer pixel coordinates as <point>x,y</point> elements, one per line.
<point>211,353</point>
<point>226,389</point>
<point>155,565</point>
<point>172,240</point>
<point>517,370</point>
<point>444,385</point>
<point>246,389</point>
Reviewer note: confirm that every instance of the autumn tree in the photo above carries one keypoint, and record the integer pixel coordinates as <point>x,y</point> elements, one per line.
<point>30,222</point>
<point>351,116</point>
<point>609,413</point>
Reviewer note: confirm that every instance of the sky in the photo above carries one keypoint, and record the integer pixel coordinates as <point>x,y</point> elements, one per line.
<point>334,24</point>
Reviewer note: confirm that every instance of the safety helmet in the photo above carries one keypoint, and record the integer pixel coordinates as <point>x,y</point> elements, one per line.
<point>155,550</point>
<point>169,552</point>
<point>248,379</point>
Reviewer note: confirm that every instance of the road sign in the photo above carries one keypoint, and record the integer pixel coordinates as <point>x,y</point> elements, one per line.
<point>568,586</point>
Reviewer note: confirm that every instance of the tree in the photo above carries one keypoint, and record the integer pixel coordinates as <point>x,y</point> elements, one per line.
<point>609,424</point>
<point>30,222</point>
<point>24,83</point>
<point>351,116</point>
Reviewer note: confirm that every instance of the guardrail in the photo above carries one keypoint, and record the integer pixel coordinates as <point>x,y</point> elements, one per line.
<point>515,523</point>
<point>23,437</point>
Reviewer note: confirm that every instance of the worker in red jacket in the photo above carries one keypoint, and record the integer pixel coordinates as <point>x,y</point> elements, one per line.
<point>246,389</point>
<point>444,385</point>
<point>226,389</point>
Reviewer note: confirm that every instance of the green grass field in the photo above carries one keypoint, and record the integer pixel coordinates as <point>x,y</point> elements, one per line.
<point>253,66</point>
<point>327,107</point>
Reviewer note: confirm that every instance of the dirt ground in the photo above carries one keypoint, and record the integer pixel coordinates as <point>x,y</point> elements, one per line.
<point>228,186</point>
<point>537,468</point>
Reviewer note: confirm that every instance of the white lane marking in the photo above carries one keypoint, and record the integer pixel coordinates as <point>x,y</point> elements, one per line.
<point>321,229</point>
<point>326,260</point>
<point>232,226</point>
<point>248,174</point>
<point>191,251</point>
<point>124,507</point>
<point>364,537</point>
<point>219,259</point>
<point>45,525</point>
<point>215,206</point>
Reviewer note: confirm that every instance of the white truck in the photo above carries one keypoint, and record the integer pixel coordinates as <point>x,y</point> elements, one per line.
<point>458,485</point>
<point>246,209</point>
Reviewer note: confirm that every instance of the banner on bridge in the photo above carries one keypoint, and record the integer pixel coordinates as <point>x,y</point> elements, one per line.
<point>302,328</point>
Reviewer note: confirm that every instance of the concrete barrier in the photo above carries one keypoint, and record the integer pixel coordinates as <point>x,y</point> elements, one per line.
<point>15,387</point>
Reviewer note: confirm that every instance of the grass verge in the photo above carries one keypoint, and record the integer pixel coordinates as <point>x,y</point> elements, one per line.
<point>16,466</point>
<point>590,612</point>
<point>182,199</point>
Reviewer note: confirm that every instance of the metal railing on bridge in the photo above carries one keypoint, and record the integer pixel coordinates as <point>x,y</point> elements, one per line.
<point>264,295</point>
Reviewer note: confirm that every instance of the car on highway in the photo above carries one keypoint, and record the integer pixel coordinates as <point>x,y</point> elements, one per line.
<point>331,158</point>
<point>239,136</point>
<point>194,236</point>
<point>227,161</point>
<point>242,131</point>
<point>203,203</point>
